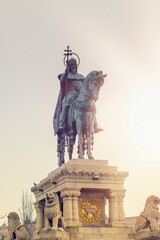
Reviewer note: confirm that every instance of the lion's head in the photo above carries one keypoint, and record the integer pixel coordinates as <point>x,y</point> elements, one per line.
<point>154,200</point>
<point>151,206</point>
<point>13,223</point>
<point>51,198</point>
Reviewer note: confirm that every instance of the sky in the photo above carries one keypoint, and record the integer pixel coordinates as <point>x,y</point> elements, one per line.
<point>119,37</point>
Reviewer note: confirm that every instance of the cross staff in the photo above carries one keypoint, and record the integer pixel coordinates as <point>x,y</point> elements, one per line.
<point>67,54</point>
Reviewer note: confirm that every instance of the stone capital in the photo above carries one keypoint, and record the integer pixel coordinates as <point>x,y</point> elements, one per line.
<point>116,195</point>
<point>70,193</point>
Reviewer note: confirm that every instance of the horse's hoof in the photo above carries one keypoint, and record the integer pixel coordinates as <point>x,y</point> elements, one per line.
<point>90,157</point>
<point>81,157</point>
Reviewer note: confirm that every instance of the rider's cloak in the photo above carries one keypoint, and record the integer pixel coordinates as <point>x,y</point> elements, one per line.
<point>62,92</point>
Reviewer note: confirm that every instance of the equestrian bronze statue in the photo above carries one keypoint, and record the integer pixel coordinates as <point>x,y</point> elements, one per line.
<point>75,112</point>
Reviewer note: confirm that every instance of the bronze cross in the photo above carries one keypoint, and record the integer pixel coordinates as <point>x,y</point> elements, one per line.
<point>68,53</point>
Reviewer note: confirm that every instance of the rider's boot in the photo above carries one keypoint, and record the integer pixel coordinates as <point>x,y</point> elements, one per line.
<point>62,118</point>
<point>97,128</point>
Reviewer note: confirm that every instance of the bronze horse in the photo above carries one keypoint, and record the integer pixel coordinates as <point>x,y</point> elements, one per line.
<point>81,118</point>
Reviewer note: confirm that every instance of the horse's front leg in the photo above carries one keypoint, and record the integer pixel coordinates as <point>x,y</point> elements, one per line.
<point>79,126</point>
<point>89,125</point>
<point>80,144</point>
<point>60,148</point>
<point>72,139</point>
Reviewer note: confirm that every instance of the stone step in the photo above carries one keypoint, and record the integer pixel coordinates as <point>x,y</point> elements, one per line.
<point>106,238</point>
<point>131,236</point>
<point>97,237</point>
<point>90,236</point>
<point>104,230</point>
<point>103,233</point>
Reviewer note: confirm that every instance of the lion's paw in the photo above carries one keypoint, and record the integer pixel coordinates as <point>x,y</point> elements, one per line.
<point>54,229</point>
<point>46,229</point>
<point>60,229</point>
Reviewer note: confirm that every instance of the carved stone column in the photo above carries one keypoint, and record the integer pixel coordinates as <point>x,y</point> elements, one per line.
<point>70,207</point>
<point>67,207</point>
<point>39,207</point>
<point>121,214</point>
<point>75,219</point>
<point>113,208</point>
<point>116,212</point>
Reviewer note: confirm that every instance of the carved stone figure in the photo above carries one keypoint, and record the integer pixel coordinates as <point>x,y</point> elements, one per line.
<point>150,216</point>
<point>75,111</point>
<point>52,213</point>
<point>15,228</point>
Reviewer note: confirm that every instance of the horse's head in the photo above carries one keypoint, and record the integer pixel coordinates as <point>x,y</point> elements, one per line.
<point>92,84</point>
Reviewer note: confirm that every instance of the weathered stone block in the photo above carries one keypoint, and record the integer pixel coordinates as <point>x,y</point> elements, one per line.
<point>147,235</point>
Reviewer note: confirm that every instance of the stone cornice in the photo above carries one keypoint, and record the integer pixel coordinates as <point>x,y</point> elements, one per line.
<point>88,175</point>
<point>56,177</point>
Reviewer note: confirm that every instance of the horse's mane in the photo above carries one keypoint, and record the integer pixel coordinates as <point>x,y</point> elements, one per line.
<point>89,78</point>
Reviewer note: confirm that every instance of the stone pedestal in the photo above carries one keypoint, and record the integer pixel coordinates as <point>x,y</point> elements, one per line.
<point>83,186</point>
<point>147,235</point>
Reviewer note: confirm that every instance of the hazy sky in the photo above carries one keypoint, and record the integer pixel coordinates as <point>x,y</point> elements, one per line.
<point>119,37</point>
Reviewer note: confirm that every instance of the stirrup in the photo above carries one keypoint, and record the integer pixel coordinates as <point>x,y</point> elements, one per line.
<point>97,129</point>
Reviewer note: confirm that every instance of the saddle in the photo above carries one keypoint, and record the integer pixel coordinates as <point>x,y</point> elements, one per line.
<point>81,107</point>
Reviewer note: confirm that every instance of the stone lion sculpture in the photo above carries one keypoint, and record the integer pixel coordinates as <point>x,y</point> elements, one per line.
<point>15,229</point>
<point>52,213</point>
<point>150,216</point>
